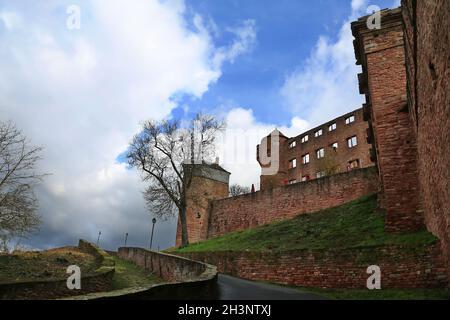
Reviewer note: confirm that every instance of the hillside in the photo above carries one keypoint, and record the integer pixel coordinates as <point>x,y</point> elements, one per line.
<point>355,224</point>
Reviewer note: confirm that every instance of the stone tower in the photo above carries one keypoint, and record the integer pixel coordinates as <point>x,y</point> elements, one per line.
<point>210,182</point>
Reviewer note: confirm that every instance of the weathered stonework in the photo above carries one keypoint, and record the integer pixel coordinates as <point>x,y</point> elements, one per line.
<point>427,47</point>
<point>380,52</point>
<point>402,267</point>
<point>281,203</point>
<point>340,158</point>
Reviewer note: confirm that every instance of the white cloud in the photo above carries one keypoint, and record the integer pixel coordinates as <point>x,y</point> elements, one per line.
<point>238,144</point>
<point>325,85</point>
<point>82,94</point>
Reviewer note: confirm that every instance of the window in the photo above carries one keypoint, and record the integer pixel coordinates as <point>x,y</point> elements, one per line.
<point>332,127</point>
<point>352,142</point>
<point>318,133</point>
<point>320,174</point>
<point>353,164</point>
<point>350,119</point>
<point>305,139</point>
<point>320,153</point>
<point>292,181</point>
<point>293,144</point>
<point>293,164</point>
<point>305,178</point>
<point>335,146</point>
<point>305,159</point>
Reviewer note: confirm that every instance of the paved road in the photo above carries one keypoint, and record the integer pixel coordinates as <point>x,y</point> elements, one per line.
<point>230,288</point>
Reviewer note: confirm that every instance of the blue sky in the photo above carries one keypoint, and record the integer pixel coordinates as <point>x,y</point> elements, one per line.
<point>82,93</point>
<point>287,32</point>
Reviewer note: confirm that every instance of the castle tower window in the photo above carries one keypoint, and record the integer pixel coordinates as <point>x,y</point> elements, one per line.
<point>320,153</point>
<point>305,159</point>
<point>305,139</point>
<point>350,119</point>
<point>292,181</point>
<point>354,164</point>
<point>332,127</point>
<point>320,174</point>
<point>293,144</point>
<point>335,146</point>
<point>318,133</point>
<point>293,164</point>
<point>305,178</point>
<point>352,142</point>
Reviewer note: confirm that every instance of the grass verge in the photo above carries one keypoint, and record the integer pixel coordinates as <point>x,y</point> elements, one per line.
<point>355,224</point>
<point>129,275</point>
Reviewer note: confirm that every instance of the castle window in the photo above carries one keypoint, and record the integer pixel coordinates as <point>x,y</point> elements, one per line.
<point>293,164</point>
<point>350,119</point>
<point>305,159</point>
<point>335,146</point>
<point>353,164</point>
<point>320,153</point>
<point>318,133</point>
<point>352,142</point>
<point>332,127</point>
<point>305,178</point>
<point>292,145</point>
<point>305,139</point>
<point>292,181</point>
<point>320,174</point>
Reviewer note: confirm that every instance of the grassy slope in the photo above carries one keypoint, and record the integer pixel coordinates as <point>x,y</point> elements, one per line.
<point>42,265</point>
<point>129,275</point>
<point>354,224</point>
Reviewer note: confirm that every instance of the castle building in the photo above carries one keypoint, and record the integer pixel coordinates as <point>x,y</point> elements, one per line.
<point>337,146</point>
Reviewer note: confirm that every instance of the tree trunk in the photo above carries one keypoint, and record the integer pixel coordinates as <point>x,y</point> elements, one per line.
<point>184,230</point>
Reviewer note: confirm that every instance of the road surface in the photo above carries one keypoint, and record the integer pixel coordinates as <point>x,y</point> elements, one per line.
<point>230,288</point>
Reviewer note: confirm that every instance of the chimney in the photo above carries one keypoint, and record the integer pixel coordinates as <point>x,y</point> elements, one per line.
<point>217,161</point>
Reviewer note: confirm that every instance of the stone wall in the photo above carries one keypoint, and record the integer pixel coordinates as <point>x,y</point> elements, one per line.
<point>334,161</point>
<point>380,52</point>
<point>401,267</point>
<point>165,266</point>
<point>264,207</point>
<point>185,279</point>
<point>427,46</point>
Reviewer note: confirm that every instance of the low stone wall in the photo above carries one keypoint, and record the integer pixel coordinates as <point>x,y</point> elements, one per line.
<point>259,208</point>
<point>401,266</point>
<point>57,288</point>
<point>186,279</point>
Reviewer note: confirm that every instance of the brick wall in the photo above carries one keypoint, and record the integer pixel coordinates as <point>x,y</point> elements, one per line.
<point>401,267</point>
<point>204,188</point>
<point>264,207</point>
<point>427,45</point>
<point>381,54</point>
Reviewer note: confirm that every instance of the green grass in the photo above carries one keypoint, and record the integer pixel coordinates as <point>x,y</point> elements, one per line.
<point>129,275</point>
<point>355,224</point>
<point>384,294</point>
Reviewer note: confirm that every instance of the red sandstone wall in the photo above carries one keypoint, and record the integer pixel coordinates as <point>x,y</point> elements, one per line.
<point>427,38</point>
<point>286,202</point>
<point>401,267</point>
<point>382,56</point>
<point>203,190</point>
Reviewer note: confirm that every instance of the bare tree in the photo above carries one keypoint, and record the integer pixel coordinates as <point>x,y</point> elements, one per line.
<point>18,203</point>
<point>165,152</point>
<point>237,190</point>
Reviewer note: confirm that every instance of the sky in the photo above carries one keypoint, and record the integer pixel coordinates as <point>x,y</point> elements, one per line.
<point>81,88</point>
